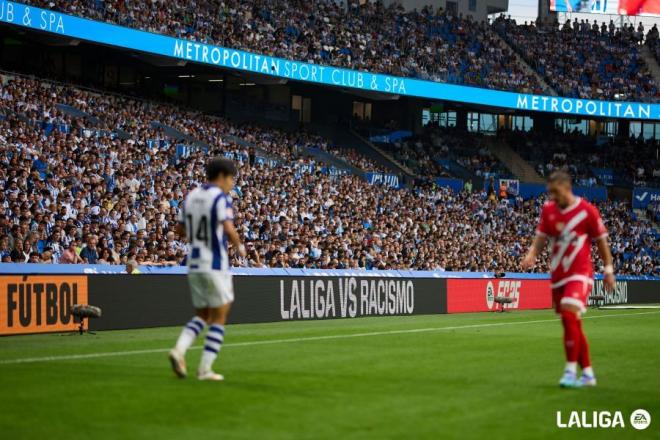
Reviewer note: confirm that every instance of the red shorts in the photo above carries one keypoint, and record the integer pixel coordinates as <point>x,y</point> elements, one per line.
<point>574,292</point>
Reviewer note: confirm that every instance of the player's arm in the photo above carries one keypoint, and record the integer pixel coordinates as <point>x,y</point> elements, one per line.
<point>540,239</point>
<point>598,232</point>
<point>534,251</point>
<point>227,214</point>
<point>232,234</point>
<point>608,262</point>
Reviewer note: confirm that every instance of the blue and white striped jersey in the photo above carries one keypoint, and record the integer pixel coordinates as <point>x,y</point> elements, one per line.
<point>203,214</point>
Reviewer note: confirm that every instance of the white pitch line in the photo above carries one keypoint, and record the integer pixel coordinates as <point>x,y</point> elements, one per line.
<point>302,339</point>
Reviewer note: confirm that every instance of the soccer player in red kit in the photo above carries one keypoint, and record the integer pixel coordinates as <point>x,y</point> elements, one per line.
<point>570,223</point>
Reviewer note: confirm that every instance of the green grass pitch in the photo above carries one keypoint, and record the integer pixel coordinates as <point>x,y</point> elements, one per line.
<point>483,376</point>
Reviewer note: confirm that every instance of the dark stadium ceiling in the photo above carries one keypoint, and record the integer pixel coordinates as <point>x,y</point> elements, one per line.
<point>162,61</point>
<point>183,67</point>
<point>48,39</point>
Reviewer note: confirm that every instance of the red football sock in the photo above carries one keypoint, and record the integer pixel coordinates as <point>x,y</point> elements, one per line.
<point>584,359</point>
<point>572,337</point>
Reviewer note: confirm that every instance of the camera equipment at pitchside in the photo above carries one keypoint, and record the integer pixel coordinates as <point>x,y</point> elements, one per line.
<point>82,311</point>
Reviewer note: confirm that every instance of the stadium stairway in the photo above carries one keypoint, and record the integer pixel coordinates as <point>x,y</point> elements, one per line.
<point>459,171</point>
<point>331,159</point>
<point>180,136</point>
<point>349,138</point>
<point>70,110</point>
<point>526,67</point>
<point>651,62</point>
<point>75,113</point>
<point>518,166</point>
<point>93,120</point>
<point>376,152</point>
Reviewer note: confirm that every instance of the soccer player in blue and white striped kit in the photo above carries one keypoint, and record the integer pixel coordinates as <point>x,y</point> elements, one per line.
<point>207,220</point>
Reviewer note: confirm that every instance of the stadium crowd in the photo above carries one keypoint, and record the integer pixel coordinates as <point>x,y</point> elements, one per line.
<point>425,43</point>
<point>631,161</point>
<point>600,61</point>
<point>106,188</point>
<point>584,60</point>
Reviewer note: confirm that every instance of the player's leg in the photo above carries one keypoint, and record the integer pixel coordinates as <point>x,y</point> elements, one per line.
<point>570,320</point>
<point>215,337</point>
<point>570,307</point>
<point>588,377</point>
<point>220,300</point>
<point>192,329</point>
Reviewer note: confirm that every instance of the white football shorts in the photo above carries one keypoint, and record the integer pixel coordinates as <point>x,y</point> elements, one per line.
<point>211,289</point>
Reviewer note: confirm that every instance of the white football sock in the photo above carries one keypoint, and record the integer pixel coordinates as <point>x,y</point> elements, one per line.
<point>189,334</point>
<point>571,366</point>
<point>212,345</point>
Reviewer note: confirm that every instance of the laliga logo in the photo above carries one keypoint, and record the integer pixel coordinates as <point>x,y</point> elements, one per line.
<point>639,419</point>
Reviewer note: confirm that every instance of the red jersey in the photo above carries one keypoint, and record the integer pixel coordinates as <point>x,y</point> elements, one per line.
<point>570,232</point>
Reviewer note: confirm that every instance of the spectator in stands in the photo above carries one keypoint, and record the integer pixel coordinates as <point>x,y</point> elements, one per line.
<point>89,252</point>
<point>17,255</point>
<point>599,63</point>
<point>503,191</point>
<point>132,267</point>
<point>70,255</point>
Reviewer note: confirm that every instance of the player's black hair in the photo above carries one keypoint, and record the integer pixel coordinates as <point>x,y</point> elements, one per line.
<point>559,176</point>
<point>219,166</point>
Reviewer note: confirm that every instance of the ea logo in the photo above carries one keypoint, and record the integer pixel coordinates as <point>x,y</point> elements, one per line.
<point>640,419</point>
<point>490,295</point>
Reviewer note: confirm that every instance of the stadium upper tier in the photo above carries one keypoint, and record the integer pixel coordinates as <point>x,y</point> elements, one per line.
<point>582,60</point>
<point>89,177</point>
<point>425,44</point>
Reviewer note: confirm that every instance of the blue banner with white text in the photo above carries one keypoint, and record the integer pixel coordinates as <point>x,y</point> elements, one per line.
<point>390,137</point>
<point>643,197</point>
<point>605,175</point>
<point>104,33</point>
<point>455,185</point>
<point>382,179</point>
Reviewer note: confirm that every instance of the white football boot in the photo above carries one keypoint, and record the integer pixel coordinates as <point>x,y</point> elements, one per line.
<point>178,363</point>
<point>210,375</point>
